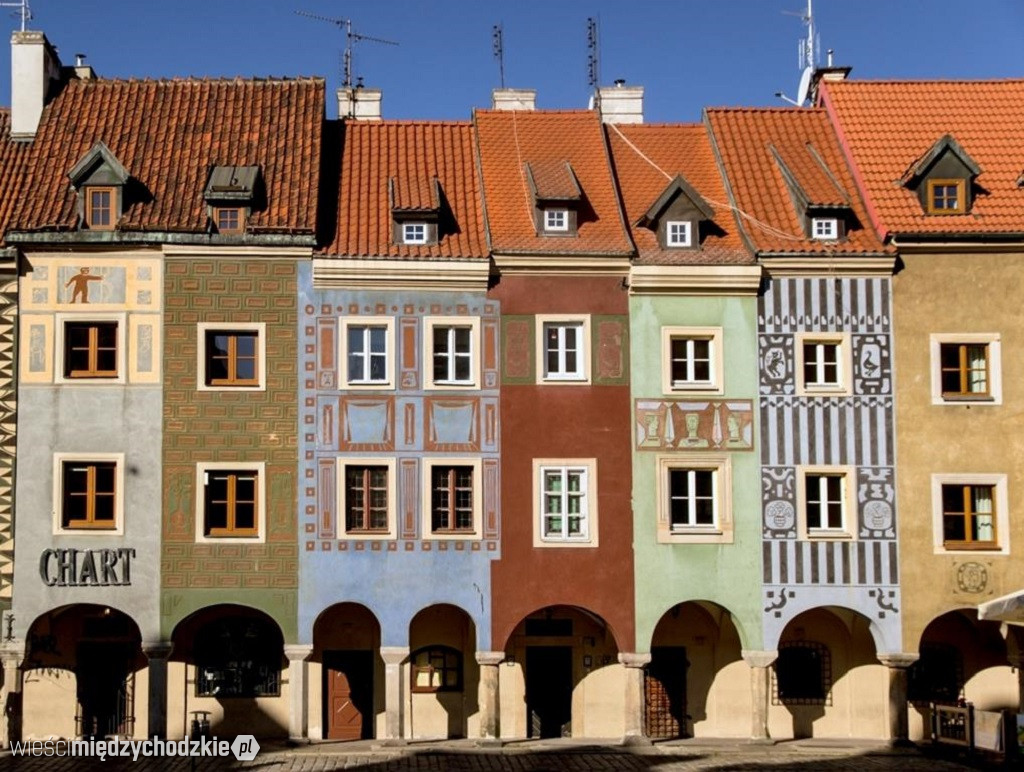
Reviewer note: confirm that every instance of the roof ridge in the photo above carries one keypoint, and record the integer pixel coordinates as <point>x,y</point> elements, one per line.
<point>270,80</point>
<point>924,81</point>
<point>783,110</point>
<point>440,122</point>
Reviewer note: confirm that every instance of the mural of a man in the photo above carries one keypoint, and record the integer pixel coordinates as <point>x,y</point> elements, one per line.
<point>80,290</point>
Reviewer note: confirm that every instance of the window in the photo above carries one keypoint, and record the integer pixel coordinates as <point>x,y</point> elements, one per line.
<point>803,674</point>
<point>366,346</point>
<point>91,349</point>
<point>232,357</point>
<point>966,368</point>
<point>99,207</point>
<point>563,349</point>
<point>825,228</point>
<point>565,506</point>
<point>451,498</point>
<point>230,501</point>
<point>556,219</point>
<point>88,492</point>
<point>691,359</point>
<point>367,497</point>
<point>229,220</point>
<point>414,233</point>
<point>238,657</point>
<point>824,497</point>
<point>970,513</point>
<point>436,669</point>
<point>938,676</point>
<point>823,363</point>
<point>677,233</point>
<point>945,197</point>
<point>451,344</point>
<point>694,499</point>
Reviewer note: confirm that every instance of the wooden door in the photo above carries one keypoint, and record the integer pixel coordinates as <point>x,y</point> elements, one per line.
<point>665,693</point>
<point>348,694</point>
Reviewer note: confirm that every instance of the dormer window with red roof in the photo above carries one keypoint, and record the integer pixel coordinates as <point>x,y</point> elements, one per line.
<point>231,194</point>
<point>416,205</point>
<point>99,179</point>
<point>819,198</point>
<point>556,197</point>
<point>943,178</point>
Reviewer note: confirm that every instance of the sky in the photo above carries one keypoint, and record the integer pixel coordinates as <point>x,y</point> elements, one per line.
<point>688,54</point>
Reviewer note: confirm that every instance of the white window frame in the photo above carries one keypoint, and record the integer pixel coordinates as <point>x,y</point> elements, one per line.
<point>408,229</point>
<point>844,361</point>
<point>342,529</point>
<point>388,323</point>
<point>721,531</point>
<point>582,374</point>
<point>995,371</point>
<point>426,499</point>
<point>715,337</point>
<point>825,228</point>
<point>682,238</point>
<point>63,319</point>
<point>260,468</point>
<point>847,489</point>
<point>260,328</point>
<point>432,322</point>
<point>586,466</point>
<point>550,215</point>
<point>999,483</point>
<point>59,460</point>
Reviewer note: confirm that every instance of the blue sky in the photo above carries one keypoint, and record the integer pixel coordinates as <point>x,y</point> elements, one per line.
<point>687,53</point>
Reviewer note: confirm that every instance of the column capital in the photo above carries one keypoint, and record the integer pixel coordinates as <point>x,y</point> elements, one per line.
<point>490,657</point>
<point>394,655</point>
<point>898,659</point>
<point>12,652</point>
<point>755,658</point>
<point>297,652</point>
<point>157,649</point>
<point>634,659</point>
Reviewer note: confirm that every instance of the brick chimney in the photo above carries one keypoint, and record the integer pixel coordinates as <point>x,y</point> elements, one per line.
<point>34,68</point>
<point>514,99</point>
<point>361,104</point>
<point>621,103</point>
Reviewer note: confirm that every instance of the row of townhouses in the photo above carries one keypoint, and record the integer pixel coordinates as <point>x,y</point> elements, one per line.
<point>541,423</point>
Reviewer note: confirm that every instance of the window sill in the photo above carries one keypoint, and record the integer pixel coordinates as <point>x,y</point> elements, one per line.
<point>975,399</point>
<point>547,543</point>
<point>452,385</point>
<point>971,546</point>
<point>828,535</point>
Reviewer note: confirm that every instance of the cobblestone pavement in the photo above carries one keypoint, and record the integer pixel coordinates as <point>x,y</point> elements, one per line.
<point>536,757</point>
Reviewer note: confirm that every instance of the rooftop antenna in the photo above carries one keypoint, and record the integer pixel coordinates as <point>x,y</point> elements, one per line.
<point>594,60</point>
<point>351,38</point>
<point>808,51</point>
<point>23,11</point>
<point>499,51</point>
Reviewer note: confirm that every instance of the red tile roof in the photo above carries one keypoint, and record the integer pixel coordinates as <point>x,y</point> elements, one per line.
<point>745,138</point>
<point>415,193</point>
<point>508,140</point>
<point>647,157</point>
<point>168,134</point>
<point>414,152</point>
<point>554,180</point>
<point>887,126</point>
<point>13,162</point>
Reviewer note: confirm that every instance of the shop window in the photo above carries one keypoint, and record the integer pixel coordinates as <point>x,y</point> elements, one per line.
<point>436,669</point>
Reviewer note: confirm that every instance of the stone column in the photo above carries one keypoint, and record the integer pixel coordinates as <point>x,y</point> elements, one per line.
<point>298,713</point>
<point>759,662</point>
<point>488,694</point>
<point>394,692</point>
<point>899,732</point>
<point>157,653</point>
<point>12,654</point>
<point>634,702</point>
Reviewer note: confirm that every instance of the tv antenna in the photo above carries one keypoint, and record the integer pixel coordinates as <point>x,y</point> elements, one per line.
<point>808,52</point>
<point>499,51</point>
<point>23,11</point>
<point>351,38</point>
<point>594,60</point>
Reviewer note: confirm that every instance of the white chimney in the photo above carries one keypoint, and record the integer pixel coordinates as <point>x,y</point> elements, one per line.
<point>362,104</point>
<point>514,99</point>
<point>34,64</point>
<point>621,103</point>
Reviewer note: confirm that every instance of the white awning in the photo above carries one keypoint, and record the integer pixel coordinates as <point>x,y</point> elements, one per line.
<point>1008,608</point>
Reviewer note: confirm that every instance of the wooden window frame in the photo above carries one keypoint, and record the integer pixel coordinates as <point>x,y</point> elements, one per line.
<point>961,196</point>
<point>714,338</point>
<point>582,372</point>
<point>62,523</point>
<point>366,488</point>
<point>91,209</point>
<point>232,530</point>
<point>430,324</point>
<point>433,653</point>
<point>992,341</point>
<point>964,371</point>
<point>91,495</point>
<point>848,503</point>
<point>344,463</point>
<point>406,227</point>
<point>230,533</point>
<point>587,468</point>
<point>92,370</point>
<point>720,531</point>
<point>364,323</point>
<point>203,354</point>
<point>1001,514</point>
<point>967,489</point>
<point>549,215</point>
<point>428,531</point>
<point>842,344</point>
<point>679,243</point>
<point>235,230</point>
<point>450,513</point>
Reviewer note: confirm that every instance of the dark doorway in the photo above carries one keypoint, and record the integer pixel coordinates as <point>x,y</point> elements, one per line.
<point>105,681</point>
<point>549,690</point>
<point>665,693</point>
<point>348,695</point>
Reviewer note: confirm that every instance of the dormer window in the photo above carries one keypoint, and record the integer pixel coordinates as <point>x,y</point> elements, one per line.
<point>99,207</point>
<point>229,219</point>
<point>100,182</point>
<point>945,196</point>
<point>678,233</point>
<point>556,220</point>
<point>231,194</point>
<point>825,228</point>
<point>414,233</point>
